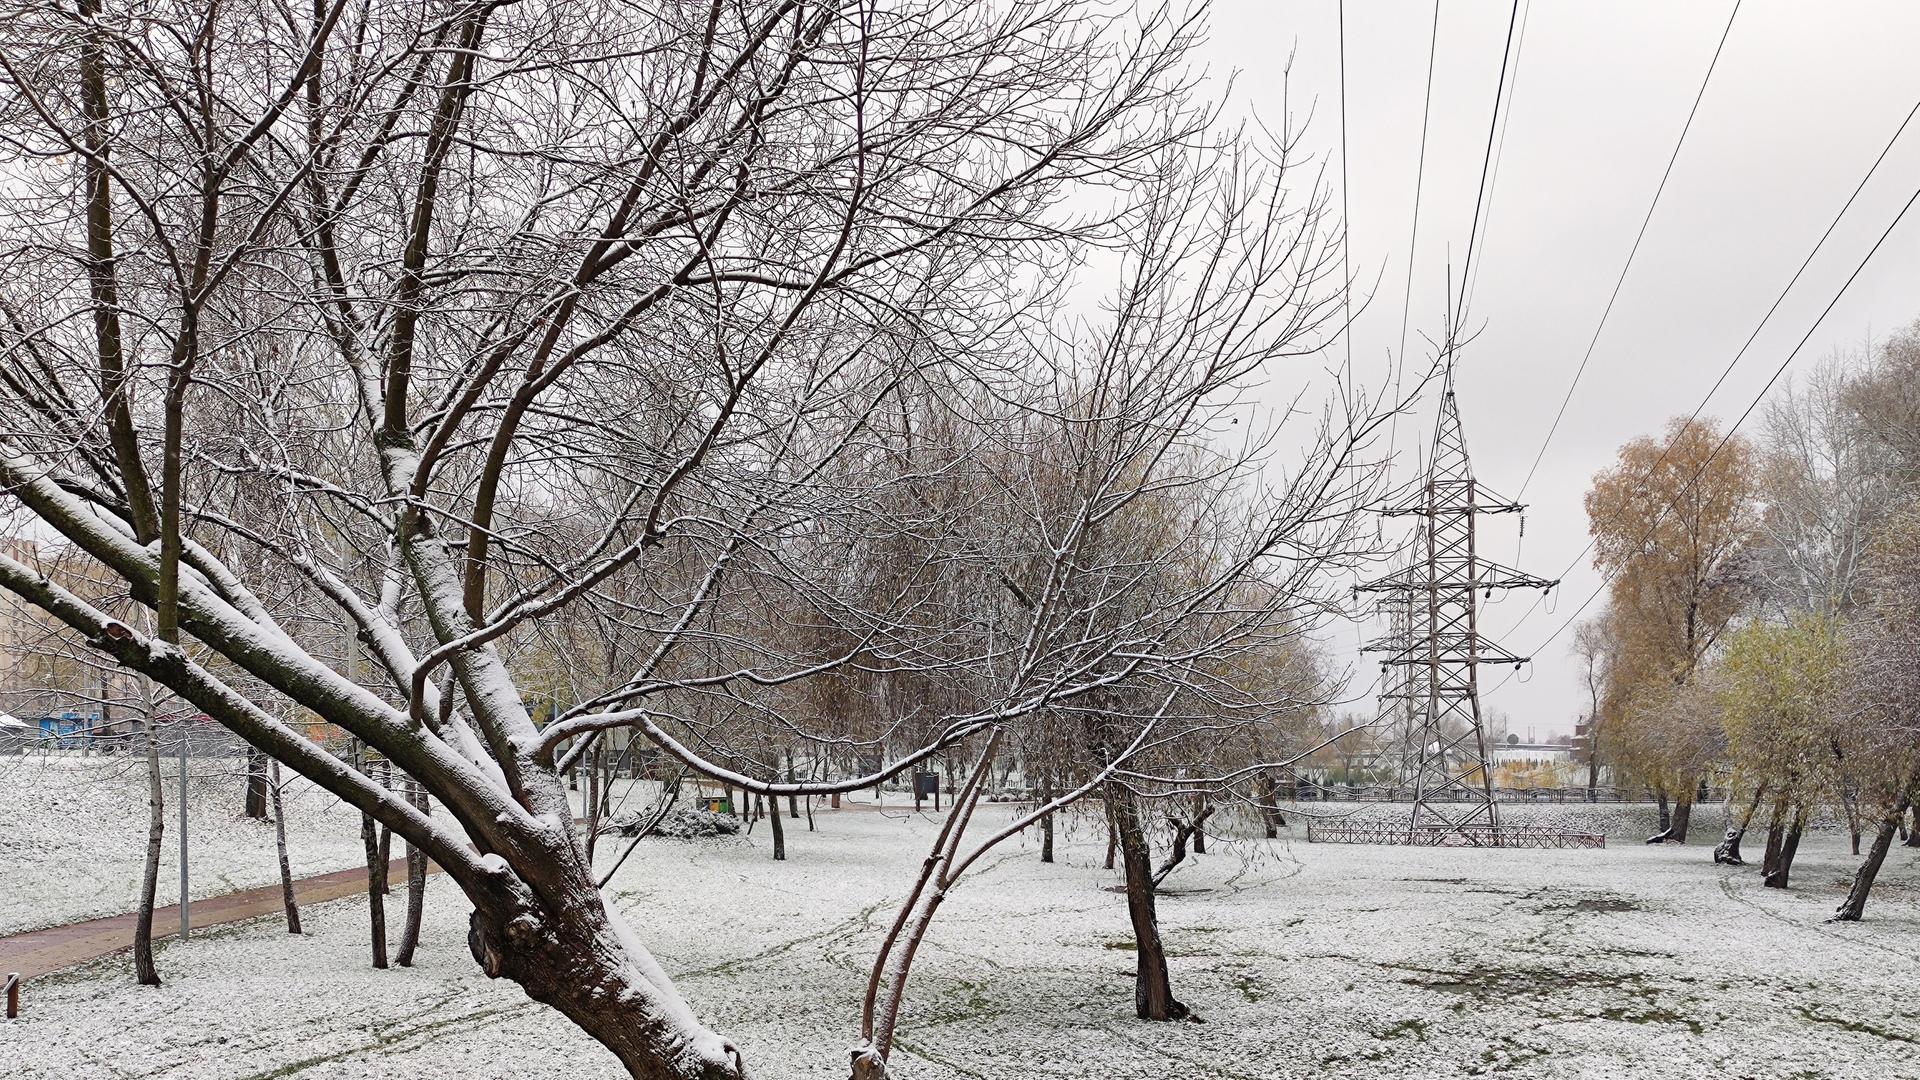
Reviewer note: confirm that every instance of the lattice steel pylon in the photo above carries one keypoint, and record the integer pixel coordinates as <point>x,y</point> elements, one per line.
<point>1442,649</point>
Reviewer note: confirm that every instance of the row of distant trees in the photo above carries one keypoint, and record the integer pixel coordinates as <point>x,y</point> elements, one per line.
<point>1763,609</point>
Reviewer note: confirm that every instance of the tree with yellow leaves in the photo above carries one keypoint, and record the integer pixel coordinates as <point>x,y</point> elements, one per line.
<point>1670,521</point>
<point>1775,687</point>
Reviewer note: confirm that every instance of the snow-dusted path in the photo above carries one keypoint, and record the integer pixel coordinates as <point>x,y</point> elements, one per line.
<point>33,953</point>
<point>1323,961</point>
<point>75,833</point>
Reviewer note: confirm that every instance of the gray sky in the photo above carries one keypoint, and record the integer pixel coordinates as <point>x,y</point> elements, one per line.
<point>1804,97</point>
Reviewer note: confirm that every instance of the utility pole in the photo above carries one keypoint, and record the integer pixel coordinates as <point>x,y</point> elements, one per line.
<point>1442,649</point>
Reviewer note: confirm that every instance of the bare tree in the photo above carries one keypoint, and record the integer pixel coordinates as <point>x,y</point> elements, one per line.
<point>350,302</point>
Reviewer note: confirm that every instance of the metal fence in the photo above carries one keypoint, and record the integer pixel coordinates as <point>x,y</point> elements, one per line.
<point>1503,836</point>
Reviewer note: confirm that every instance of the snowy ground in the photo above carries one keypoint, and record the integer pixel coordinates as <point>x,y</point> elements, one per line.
<point>74,835</point>
<point>1305,961</point>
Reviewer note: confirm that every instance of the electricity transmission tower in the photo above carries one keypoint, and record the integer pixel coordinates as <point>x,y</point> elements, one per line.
<point>1435,643</point>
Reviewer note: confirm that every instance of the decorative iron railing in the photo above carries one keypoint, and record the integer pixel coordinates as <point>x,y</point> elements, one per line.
<point>1508,836</point>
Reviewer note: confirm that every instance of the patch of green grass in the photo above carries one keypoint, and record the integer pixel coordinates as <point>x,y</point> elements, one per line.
<point>1859,1026</point>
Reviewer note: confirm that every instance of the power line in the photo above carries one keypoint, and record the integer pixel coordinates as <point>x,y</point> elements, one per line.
<point>1346,212</point>
<point>1500,153</point>
<point>1486,161</point>
<point>1413,240</point>
<point>1758,327</point>
<point>1608,310</point>
<point>1752,405</point>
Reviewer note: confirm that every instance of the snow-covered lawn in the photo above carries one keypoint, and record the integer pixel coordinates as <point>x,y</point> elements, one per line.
<point>73,834</point>
<point>1304,961</point>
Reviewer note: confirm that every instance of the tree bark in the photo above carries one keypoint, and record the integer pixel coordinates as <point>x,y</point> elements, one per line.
<point>255,804</point>
<point>1673,826</point>
<point>1776,875</point>
<point>1855,904</point>
<point>596,765</point>
<point>570,952</point>
<point>280,846</point>
<point>143,970</point>
<point>779,830</point>
<point>1182,830</point>
<point>416,883</point>
<point>1776,836</point>
<point>1046,823</point>
<point>1153,988</point>
<point>1666,815</point>
<point>1113,834</point>
<point>1270,813</point>
<point>376,877</point>
<point>1728,850</point>
<point>1913,834</point>
<point>1593,761</point>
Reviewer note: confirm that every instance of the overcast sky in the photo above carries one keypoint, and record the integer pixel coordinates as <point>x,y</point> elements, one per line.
<point>1803,99</point>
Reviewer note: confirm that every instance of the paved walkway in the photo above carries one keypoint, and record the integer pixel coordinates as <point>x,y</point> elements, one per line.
<point>37,952</point>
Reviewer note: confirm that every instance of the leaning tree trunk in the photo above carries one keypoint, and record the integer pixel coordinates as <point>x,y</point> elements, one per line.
<point>143,968</point>
<point>416,883</point>
<point>280,846</point>
<point>1856,902</point>
<point>567,948</point>
<point>1782,864</point>
<point>1153,987</point>
<point>1729,849</point>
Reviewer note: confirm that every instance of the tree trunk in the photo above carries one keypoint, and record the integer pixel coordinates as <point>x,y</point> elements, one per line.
<point>1776,836</point>
<point>376,875</point>
<point>280,845</point>
<point>1201,812</point>
<point>1113,835</point>
<point>255,804</point>
<point>1913,834</point>
<point>1270,813</point>
<point>1673,826</point>
<point>1666,815</point>
<point>779,830</point>
<point>386,834</point>
<point>1153,989</point>
<point>1046,823</point>
<point>596,764</point>
<point>1182,830</point>
<point>1729,849</point>
<point>143,968</point>
<point>416,884</point>
<point>572,953</point>
<point>1856,902</point>
<point>1776,876</point>
<point>1593,762</point>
